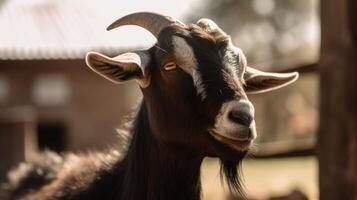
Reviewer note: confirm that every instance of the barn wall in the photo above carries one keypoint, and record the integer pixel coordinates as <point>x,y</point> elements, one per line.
<point>95,107</point>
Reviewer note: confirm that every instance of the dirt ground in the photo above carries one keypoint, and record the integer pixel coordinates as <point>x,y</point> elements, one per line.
<point>265,178</point>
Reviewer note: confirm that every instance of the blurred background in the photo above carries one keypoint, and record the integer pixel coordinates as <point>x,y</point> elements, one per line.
<point>49,99</point>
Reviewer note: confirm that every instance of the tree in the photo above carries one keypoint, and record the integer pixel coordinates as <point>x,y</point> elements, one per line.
<point>337,135</point>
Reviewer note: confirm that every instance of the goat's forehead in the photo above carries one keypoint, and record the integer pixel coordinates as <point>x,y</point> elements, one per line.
<point>186,59</point>
<point>184,54</point>
<point>225,62</point>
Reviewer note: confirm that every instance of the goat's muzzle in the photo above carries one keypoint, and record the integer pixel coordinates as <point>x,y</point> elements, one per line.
<point>235,125</point>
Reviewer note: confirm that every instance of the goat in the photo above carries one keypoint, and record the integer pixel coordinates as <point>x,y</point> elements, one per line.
<point>194,83</point>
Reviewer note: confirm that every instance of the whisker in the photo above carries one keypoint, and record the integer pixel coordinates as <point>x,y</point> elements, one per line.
<point>161,48</point>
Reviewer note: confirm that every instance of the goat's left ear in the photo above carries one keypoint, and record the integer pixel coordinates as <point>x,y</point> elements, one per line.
<point>122,67</point>
<point>258,82</point>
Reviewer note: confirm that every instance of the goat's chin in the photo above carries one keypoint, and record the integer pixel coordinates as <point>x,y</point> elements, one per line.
<point>233,143</point>
<point>226,152</point>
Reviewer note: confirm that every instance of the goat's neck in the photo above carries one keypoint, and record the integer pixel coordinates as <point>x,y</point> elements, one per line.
<point>153,173</point>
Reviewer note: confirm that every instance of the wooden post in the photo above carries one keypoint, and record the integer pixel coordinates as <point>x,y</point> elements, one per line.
<point>337,135</point>
<point>18,137</point>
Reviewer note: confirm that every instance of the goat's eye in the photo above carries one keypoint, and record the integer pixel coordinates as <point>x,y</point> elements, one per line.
<point>170,66</point>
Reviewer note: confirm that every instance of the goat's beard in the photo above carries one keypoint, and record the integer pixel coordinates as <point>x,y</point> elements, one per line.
<point>231,172</point>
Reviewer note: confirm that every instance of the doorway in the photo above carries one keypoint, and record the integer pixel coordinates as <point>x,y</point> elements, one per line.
<point>52,136</point>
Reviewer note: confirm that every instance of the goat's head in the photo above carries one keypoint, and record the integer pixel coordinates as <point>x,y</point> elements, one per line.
<point>194,82</point>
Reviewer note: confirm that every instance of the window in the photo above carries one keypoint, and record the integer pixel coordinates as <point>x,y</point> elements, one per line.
<point>51,90</point>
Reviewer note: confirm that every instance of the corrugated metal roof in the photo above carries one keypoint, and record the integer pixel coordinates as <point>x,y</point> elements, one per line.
<point>67,29</point>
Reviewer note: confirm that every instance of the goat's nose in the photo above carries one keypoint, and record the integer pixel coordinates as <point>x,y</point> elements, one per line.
<point>240,117</point>
<point>242,114</point>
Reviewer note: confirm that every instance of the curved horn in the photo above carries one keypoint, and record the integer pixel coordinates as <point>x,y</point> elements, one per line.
<point>152,22</point>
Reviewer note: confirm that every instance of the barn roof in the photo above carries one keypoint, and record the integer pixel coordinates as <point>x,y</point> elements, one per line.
<point>67,29</point>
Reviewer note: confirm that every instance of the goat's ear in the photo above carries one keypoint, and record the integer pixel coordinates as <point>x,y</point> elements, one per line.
<point>258,82</point>
<point>122,67</point>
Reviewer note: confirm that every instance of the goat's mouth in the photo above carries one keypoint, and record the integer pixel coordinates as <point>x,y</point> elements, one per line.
<point>233,142</point>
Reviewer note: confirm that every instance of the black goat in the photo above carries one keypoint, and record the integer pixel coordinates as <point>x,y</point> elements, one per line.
<point>194,83</point>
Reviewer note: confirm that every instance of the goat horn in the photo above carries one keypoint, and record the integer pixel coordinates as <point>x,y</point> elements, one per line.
<point>152,22</point>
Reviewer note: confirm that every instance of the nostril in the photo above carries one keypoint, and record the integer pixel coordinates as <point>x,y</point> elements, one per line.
<point>240,117</point>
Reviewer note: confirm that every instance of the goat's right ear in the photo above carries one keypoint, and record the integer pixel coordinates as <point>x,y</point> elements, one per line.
<point>122,67</point>
<point>257,81</point>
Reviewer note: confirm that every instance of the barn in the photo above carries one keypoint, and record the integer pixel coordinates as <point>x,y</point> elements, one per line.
<point>48,97</point>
